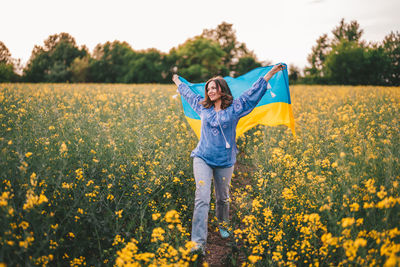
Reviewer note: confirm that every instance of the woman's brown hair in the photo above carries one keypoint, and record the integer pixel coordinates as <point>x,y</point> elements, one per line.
<point>225,91</point>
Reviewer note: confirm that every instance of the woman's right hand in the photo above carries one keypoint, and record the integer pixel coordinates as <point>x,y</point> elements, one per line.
<point>176,80</point>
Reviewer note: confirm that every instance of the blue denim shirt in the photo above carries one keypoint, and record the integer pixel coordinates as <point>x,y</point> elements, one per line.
<point>212,145</point>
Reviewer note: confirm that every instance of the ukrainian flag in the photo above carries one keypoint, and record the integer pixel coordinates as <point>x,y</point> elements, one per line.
<point>274,108</point>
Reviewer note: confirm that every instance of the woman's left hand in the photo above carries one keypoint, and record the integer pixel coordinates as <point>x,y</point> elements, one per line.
<point>276,68</point>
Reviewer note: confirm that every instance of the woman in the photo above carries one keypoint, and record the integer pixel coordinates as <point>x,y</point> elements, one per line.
<point>215,154</point>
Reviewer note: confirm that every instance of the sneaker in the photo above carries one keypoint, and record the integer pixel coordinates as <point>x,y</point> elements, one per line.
<point>224,233</point>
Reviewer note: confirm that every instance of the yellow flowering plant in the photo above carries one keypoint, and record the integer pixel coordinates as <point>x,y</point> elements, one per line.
<point>99,174</point>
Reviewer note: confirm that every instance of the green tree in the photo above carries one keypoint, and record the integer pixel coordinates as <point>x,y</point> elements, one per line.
<point>80,69</point>
<point>376,65</point>
<point>345,58</point>
<point>317,58</point>
<point>198,59</point>
<point>51,62</point>
<point>347,31</point>
<point>391,48</point>
<point>7,73</point>
<point>146,67</point>
<point>245,64</point>
<point>294,74</point>
<point>238,58</point>
<point>111,62</point>
<point>345,64</point>
<point>5,55</point>
<point>352,63</point>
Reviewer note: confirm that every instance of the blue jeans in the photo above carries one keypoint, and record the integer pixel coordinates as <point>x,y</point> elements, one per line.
<point>203,175</point>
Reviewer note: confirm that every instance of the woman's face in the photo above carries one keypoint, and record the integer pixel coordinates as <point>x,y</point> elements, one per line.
<point>213,91</point>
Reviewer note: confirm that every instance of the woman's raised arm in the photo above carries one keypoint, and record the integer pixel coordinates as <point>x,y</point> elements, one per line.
<point>250,98</point>
<point>190,97</point>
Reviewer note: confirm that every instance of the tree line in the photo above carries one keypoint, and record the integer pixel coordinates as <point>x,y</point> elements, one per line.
<point>347,59</point>
<point>342,59</point>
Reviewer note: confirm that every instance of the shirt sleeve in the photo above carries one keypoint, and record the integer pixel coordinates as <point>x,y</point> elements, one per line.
<point>249,99</point>
<point>190,97</point>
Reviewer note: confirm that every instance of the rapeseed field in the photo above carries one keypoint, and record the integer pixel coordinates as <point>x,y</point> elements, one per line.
<point>101,174</point>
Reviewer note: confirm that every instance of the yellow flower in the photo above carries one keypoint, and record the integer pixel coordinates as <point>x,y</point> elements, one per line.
<point>328,239</point>
<point>4,198</point>
<point>33,200</point>
<point>63,148</point>
<point>157,234</point>
<point>146,256</point>
<point>118,240</point>
<point>354,207</point>
<point>125,255</point>
<point>276,256</point>
<point>66,185</point>
<point>23,244</point>
<point>254,258</point>
<point>387,202</point>
<point>346,222</point>
<point>255,205</point>
<point>368,205</point>
<point>287,194</point>
<point>278,236</point>
<point>392,261</point>
<point>291,255</point>
<point>381,194</point>
<point>313,218</point>
<point>119,213</point>
<point>325,207</point>
<point>172,216</point>
<point>350,249</point>
<point>267,213</point>
<point>360,242</point>
<point>155,216</point>
<point>33,179</point>
<point>24,225</point>
<point>369,184</point>
<point>28,154</point>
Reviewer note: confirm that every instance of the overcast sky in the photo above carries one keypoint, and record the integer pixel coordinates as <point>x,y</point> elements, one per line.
<point>277,31</point>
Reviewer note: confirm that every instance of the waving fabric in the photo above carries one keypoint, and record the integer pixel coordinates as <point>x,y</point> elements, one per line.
<point>273,109</point>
